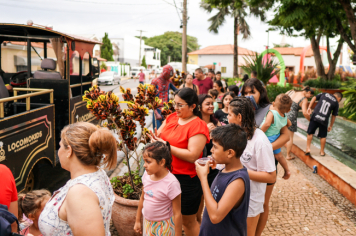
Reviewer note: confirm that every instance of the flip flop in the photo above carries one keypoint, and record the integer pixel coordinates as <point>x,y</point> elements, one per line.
<point>322,155</point>
<point>307,153</point>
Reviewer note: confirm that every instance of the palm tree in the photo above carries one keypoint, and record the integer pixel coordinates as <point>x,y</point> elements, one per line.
<point>239,14</point>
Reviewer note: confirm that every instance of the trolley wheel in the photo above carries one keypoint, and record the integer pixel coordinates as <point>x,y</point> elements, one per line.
<point>30,183</point>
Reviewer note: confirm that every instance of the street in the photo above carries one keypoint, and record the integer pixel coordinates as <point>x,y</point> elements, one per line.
<point>56,177</point>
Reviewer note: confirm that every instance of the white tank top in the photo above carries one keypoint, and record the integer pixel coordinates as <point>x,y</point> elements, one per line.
<point>49,222</point>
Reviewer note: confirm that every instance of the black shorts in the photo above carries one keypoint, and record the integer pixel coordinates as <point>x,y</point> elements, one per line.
<point>191,194</point>
<point>313,125</point>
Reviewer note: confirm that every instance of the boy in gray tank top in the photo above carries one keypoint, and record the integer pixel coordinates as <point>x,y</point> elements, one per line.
<point>227,201</point>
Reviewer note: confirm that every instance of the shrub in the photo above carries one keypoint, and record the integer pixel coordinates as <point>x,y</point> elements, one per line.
<point>274,90</point>
<point>265,70</point>
<point>322,83</point>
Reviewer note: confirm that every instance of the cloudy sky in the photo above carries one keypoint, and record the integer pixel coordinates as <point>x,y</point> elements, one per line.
<point>125,17</point>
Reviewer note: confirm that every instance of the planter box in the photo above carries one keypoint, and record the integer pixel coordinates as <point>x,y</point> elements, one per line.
<point>124,215</point>
<point>331,91</point>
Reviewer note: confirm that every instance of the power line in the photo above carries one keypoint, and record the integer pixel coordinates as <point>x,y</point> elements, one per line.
<point>56,10</point>
<point>101,3</point>
<point>177,10</point>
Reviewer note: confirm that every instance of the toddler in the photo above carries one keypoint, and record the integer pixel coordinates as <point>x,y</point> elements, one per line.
<point>31,205</point>
<point>161,195</point>
<point>272,124</point>
<point>214,94</point>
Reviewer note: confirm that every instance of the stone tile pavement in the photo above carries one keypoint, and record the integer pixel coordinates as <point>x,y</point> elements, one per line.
<point>306,205</point>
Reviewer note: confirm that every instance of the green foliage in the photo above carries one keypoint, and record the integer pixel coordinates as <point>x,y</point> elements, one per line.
<point>127,190</point>
<point>170,45</point>
<point>265,70</point>
<point>350,103</point>
<point>115,182</point>
<point>144,62</point>
<point>231,81</point>
<point>282,46</point>
<point>349,84</point>
<point>103,66</point>
<point>274,90</point>
<point>106,50</point>
<point>322,83</point>
<point>350,116</point>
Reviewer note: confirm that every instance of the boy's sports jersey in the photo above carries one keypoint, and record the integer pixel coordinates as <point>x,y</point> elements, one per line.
<point>326,103</point>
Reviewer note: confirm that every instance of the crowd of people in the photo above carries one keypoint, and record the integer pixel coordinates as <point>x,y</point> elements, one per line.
<point>210,168</point>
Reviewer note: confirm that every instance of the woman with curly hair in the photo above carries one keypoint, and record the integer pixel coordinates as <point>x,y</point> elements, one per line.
<point>257,157</point>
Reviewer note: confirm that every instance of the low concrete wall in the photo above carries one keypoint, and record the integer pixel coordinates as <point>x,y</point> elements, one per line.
<point>334,172</point>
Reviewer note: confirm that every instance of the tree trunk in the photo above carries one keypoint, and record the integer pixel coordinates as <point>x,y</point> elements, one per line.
<point>333,61</point>
<point>317,57</point>
<point>344,36</point>
<point>350,15</point>
<point>235,47</point>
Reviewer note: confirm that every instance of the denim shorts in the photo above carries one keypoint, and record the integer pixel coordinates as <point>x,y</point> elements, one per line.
<point>272,139</point>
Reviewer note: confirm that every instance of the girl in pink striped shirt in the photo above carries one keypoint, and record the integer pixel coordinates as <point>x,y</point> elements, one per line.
<point>160,202</point>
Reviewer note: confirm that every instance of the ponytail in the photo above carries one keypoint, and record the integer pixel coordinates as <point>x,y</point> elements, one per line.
<point>92,146</point>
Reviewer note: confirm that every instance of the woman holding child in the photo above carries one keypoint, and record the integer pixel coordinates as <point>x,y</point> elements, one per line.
<point>257,158</point>
<point>186,134</point>
<point>257,94</point>
<point>83,205</point>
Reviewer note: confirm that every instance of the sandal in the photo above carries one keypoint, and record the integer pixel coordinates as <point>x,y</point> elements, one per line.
<point>307,153</point>
<point>322,155</point>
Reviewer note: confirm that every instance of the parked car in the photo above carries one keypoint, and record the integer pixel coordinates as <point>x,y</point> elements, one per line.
<point>109,77</point>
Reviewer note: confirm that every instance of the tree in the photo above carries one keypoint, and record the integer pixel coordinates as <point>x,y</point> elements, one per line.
<point>282,45</point>
<point>347,27</point>
<point>311,19</point>
<point>106,50</point>
<point>170,44</point>
<point>144,62</point>
<point>238,11</point>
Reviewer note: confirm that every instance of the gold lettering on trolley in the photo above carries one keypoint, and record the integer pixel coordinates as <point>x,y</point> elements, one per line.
<point>24,143</point>
<point>2,152</point>
<point>85,117</point>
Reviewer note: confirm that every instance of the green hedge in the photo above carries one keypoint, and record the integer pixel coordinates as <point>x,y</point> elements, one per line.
<point>231,81</point>
<point>274,90</point>
<point>322,83</point>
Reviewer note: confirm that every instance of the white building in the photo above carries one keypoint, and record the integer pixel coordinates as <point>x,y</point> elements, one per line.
<point>222,56</point>
<point>126,50</point>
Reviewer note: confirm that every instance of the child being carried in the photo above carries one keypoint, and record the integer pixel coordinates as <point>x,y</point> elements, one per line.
<point>272,124</point>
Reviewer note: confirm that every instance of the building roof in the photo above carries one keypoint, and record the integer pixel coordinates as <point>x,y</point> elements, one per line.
<point>221,49</point>
<point>294,51</point>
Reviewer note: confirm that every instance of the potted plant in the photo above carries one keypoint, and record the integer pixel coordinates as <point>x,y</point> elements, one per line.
<point>106,107</point>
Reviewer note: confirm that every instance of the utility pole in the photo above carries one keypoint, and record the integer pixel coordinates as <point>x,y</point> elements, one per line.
<point>139,57</point>
<point>184,37</point>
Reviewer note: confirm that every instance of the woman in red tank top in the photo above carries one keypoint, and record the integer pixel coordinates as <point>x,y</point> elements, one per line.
<point>187,135</point>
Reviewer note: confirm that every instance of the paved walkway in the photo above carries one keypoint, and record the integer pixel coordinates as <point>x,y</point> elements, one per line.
<point>307,205</point>
<point>298,207</point>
